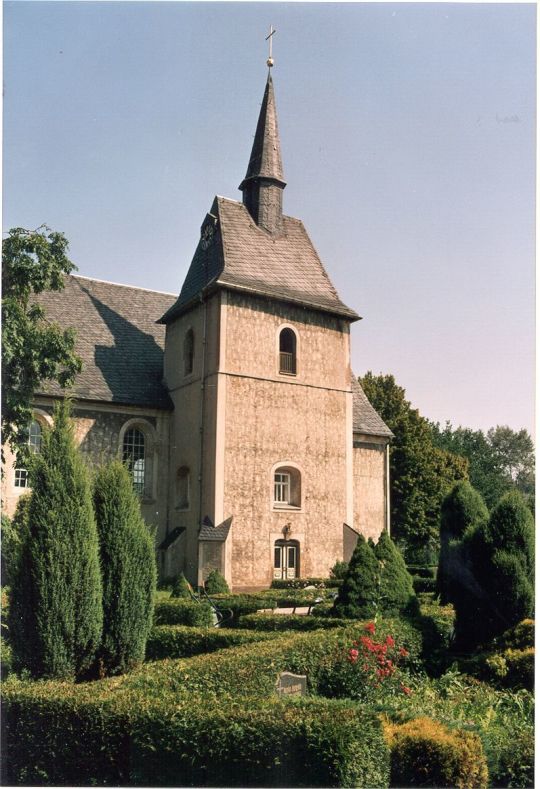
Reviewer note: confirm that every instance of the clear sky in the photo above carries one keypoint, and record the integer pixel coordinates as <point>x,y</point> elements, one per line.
<point>408,143</point>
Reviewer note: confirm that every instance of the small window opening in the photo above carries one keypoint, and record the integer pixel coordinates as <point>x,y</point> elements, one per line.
<point>182,488</point>
<point>287,352</point>
<point>34,442</point>
<point>133,455</point>
<point>287,488</point>
<point>189,351</point>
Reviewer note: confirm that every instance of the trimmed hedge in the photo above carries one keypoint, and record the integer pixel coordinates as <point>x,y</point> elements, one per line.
<point>426,753</point>
<point>178,611</point>
<point>177,641</point>
<point>279,622</point>
<point>128,740</point>
<point>422,571</point>
<point>241,604</point>
<point>212,720</point>
<point>301,583</point>
<point>422,584</point>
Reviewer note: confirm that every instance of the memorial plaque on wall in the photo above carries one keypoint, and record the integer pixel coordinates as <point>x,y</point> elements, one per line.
<point>288,684</point>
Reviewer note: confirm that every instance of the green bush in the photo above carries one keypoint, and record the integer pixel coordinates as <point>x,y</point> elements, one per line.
<point>421,585</point>
<point>501,557</point>
<point>301,583</point>
<point>280,622</point>
<point>183,612</point>
<point>240,604</point>
<point>177,641</point>
<point>128,570</point>
<point>66,736</point>
<point>396,593</point>
<point>216,584</point>
<point>421,571</point>
<point>181,587</point>
<point>461,510</point>
<point>56,613</point>
<point>426,753</point>
<point>339,570</point>
<point>13,535</point>
<point>358,596</point>
<point>513,763</point>
<point>520,663</point>
<point>436,623</point>
<point>520,636</point>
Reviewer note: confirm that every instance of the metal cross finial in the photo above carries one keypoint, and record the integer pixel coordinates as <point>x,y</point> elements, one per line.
<point>270,61</point>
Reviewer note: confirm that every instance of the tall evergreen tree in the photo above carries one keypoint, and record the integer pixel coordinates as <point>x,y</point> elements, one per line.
<point>56,613</point>
<point>396,587</point>
<point>463,508</point>
<point>359,594</point>
<point>128,570</point>
<point>500,557</point>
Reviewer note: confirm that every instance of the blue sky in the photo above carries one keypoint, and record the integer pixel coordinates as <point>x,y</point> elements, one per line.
<point>408,143</point>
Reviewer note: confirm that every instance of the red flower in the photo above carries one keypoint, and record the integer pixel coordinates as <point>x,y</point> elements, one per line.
<point>403,652</point>
<point>353,655</point>
<point>390,641</point>
<point>370,627</point>
<point>407,691</point>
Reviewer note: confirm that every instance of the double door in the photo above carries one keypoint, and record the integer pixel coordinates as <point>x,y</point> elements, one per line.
<point>285,560</point>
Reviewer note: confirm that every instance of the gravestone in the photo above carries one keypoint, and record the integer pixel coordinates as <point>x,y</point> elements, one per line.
<point>288,684</point>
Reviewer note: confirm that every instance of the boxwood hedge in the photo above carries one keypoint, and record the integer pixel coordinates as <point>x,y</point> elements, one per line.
<point>280,622</point>
<point>178,611</point>
<point>176,641</point>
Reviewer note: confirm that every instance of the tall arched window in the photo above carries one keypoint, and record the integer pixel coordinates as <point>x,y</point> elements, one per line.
<point>287,487</point>
<point>133,455</point>
<point>189,351</point>
<point>182,488</point>
<point>34,442</point>
<point>287,352</point>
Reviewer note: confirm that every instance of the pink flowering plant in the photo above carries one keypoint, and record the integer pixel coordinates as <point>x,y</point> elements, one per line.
<point>369,669</point>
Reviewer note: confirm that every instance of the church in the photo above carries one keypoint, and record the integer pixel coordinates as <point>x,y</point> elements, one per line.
<point>252,446</point>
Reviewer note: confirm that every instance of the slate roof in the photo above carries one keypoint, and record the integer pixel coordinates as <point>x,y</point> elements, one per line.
<point>209,533</point>
<point>265,159</point>
<point>245,257</point>
<point>118,339</point>
<point>365,418</point>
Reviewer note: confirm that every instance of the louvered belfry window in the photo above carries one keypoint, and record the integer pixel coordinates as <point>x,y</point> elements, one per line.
<point>133,456</point>
<point>287,352</point>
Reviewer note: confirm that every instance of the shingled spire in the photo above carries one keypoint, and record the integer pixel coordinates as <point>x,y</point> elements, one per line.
<point>263,185</point>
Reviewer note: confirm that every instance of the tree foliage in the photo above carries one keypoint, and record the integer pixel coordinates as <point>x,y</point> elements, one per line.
<point>500,460</point>
<point>499,556</point>
<point>420,473</point>
<point>396,592</point>
<point>462,509</point>
<point>181,587</point>
<point>14,533</point>
<point>358,595</point>
<point>216,583</point>
<point>56,613</point>
<point>128,570</point>
<point>33,349</point>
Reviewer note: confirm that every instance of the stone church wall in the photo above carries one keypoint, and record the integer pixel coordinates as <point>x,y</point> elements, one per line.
<point>369,474</point>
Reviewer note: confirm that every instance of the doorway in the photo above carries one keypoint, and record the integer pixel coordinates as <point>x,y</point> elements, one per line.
<point>286,559</point>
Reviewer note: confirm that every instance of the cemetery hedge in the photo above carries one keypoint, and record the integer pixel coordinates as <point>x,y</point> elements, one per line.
<point>280,622</point>
<point>179,611</point>
<point>176,641</point>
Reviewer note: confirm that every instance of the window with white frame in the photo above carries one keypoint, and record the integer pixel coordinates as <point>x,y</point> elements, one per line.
<point>34,443</point>
<point>287,487</point>
<point>134,456</point>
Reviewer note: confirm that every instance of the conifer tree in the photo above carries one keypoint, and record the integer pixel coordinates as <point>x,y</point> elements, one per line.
<point>128,570</point>
<point>56,611</point>
<point>358,596</point>
<point>396,589</point>
<point>14,533</point>
<point>181,587</point>
<point>500,557</point>
<point>216,583</point>
<point>463,508</point>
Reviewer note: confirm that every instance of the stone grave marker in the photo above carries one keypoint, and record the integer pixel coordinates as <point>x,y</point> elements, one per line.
<point>288,684</point>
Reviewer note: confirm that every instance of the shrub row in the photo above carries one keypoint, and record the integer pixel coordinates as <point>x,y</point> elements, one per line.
<point>211,720</point>
<point>280,622</point>
<point>301,583</point>
<point>421,571</point>
<point>177,641</point>
<point>422,584</point>
<point>178,611</point>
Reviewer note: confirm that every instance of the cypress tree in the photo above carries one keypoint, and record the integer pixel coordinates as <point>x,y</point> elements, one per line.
<point>358,596</point>
<point>396,590</point>
<point>216,583</point>
<point>56,611</point>
<point>500,556</point>
<point>128,570</point>
<point>13,536</point>
<point>462,509</point>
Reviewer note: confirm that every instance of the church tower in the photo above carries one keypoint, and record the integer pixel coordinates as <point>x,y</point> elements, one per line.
<point>257,365</point>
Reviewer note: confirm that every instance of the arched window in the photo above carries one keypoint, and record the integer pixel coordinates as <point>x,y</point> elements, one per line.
<point>182,488</point>
<point>133,455</point>
<point>34,442</point>
<point>287,352</point>
<point>189,351</point>
<point>287,487</point>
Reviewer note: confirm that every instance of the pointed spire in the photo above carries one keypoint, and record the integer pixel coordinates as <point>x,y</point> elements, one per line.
<point>263,185</point>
